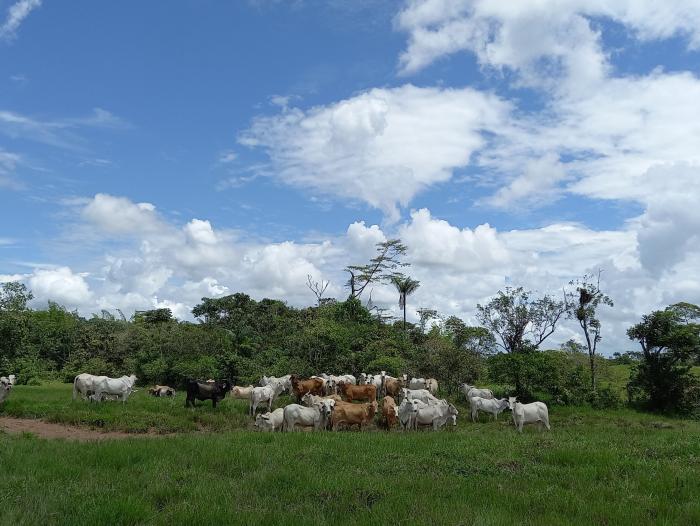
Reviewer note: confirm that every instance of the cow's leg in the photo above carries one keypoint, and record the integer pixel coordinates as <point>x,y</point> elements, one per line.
<point>213,402</point>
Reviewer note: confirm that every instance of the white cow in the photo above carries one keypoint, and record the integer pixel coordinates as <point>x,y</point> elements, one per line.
<point>436,415</point>
<point>406,414</point>
<point>488,405</point>
<point>121,387</point>
<point>470,392</point>
<point>264,395</point>
<point>5,388</point>
<point>83,384</point>
<point>419,394</point>
<point>417,383</point>
<point>375,380</point>
<point>285,381</point>
<point>534,413</point>
<point>316,416</point>
<point>13,379</point>
<point>431,385</point>
<point>270,421</point>
<point>242,393</point>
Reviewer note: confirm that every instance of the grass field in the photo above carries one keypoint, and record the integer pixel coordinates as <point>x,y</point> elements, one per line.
<point>613,467</point>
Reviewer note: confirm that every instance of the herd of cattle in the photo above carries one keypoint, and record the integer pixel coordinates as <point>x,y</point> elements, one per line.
<point>331,402</point>
<point>325,401</point>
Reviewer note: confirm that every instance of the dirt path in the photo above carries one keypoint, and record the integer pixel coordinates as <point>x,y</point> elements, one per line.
<point>48,430</point>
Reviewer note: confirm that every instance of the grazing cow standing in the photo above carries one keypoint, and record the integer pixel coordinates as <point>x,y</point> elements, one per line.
<point>270,421</point>
<point>353,414</point>
<point>315,416</point>
<point>264,395</point>
<point>470,392</point>
<point>392,387</point>
<point>119,387</point>
<point>312,385</point>
<point>5,388</point>
<point>215,392</point>
<point>406,414</point>
<point>83,384</point>
<point>358,392</point>
<point>435,415</point>
<point>492,406</point>
<point>390,412</point>
<point>419,394</point>
<point>534,413</point>
<point>242,393</point>
<point>285,381</point>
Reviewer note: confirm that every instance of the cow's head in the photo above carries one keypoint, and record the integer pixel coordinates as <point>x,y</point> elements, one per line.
<point>512,400</point>
<point>306,399</point>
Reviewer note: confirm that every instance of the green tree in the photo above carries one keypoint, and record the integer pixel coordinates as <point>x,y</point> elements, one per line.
<point>583,307</point>
<point>669,340</point>
<point>520,322</point>
<point>405,286</point>
<point>14,296</point>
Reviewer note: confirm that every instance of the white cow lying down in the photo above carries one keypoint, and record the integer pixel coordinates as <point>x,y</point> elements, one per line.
<point>270,421</point>
<point>534,413</point>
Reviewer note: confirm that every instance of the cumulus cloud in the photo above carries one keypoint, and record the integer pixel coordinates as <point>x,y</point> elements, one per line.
<point>457,266</point>
<point>382,146</point>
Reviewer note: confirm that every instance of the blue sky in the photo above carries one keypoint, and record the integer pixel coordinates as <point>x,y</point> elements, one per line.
<point>152,153</point>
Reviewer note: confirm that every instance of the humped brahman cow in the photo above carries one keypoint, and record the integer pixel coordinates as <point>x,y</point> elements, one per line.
<point>534,413</point>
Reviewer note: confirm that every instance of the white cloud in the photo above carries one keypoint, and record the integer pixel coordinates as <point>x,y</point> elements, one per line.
<point>542,40</point>
<point>16,14</point>
<point>382,146</point>
<point>61,285</point>
<point>118,215</point>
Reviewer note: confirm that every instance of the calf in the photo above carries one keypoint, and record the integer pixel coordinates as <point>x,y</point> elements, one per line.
<point>270,421</point>
<point>353,414</point>
<point>534,413</point>
<point>493,406</point>
<point>215,392</point>
<point>161,391</point>
<point>358,392</point>
<point>390,412</point>
<point>312,385</point>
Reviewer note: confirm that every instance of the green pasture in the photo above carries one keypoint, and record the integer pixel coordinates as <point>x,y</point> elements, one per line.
<point>594,467</point>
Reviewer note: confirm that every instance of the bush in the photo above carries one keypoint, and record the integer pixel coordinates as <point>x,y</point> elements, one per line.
<point>605,398</point>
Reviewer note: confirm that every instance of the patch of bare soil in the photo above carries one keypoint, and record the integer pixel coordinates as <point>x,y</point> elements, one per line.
<point>48,430</point>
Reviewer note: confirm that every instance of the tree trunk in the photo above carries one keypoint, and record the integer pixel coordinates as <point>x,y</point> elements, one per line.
<point>404,315</point>
<point>592,360</point>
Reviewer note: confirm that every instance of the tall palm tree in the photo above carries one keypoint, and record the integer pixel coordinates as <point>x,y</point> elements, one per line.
<point>405,286</point>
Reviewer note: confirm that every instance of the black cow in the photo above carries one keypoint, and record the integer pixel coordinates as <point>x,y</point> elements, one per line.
<point>214,391</point>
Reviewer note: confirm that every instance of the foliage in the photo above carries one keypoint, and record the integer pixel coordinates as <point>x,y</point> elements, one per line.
<point>520,322</point>
<point>669,340</point>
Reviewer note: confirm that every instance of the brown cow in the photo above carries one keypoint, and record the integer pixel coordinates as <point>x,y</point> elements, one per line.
<point>390,412</point>
<point>358,392</point>
<point>392,387</point>
<point>301,387</point>
<point>353,414</point>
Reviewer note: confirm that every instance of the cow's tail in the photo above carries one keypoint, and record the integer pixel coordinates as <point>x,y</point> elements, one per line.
<point>75,388</point>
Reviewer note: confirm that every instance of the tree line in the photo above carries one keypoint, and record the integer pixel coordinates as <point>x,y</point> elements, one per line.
<point>240,338</point>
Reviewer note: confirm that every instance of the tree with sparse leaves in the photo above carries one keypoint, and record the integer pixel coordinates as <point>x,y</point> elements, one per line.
<point>582,306</point>
<point>385,265</point>
<point>14,296</point>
